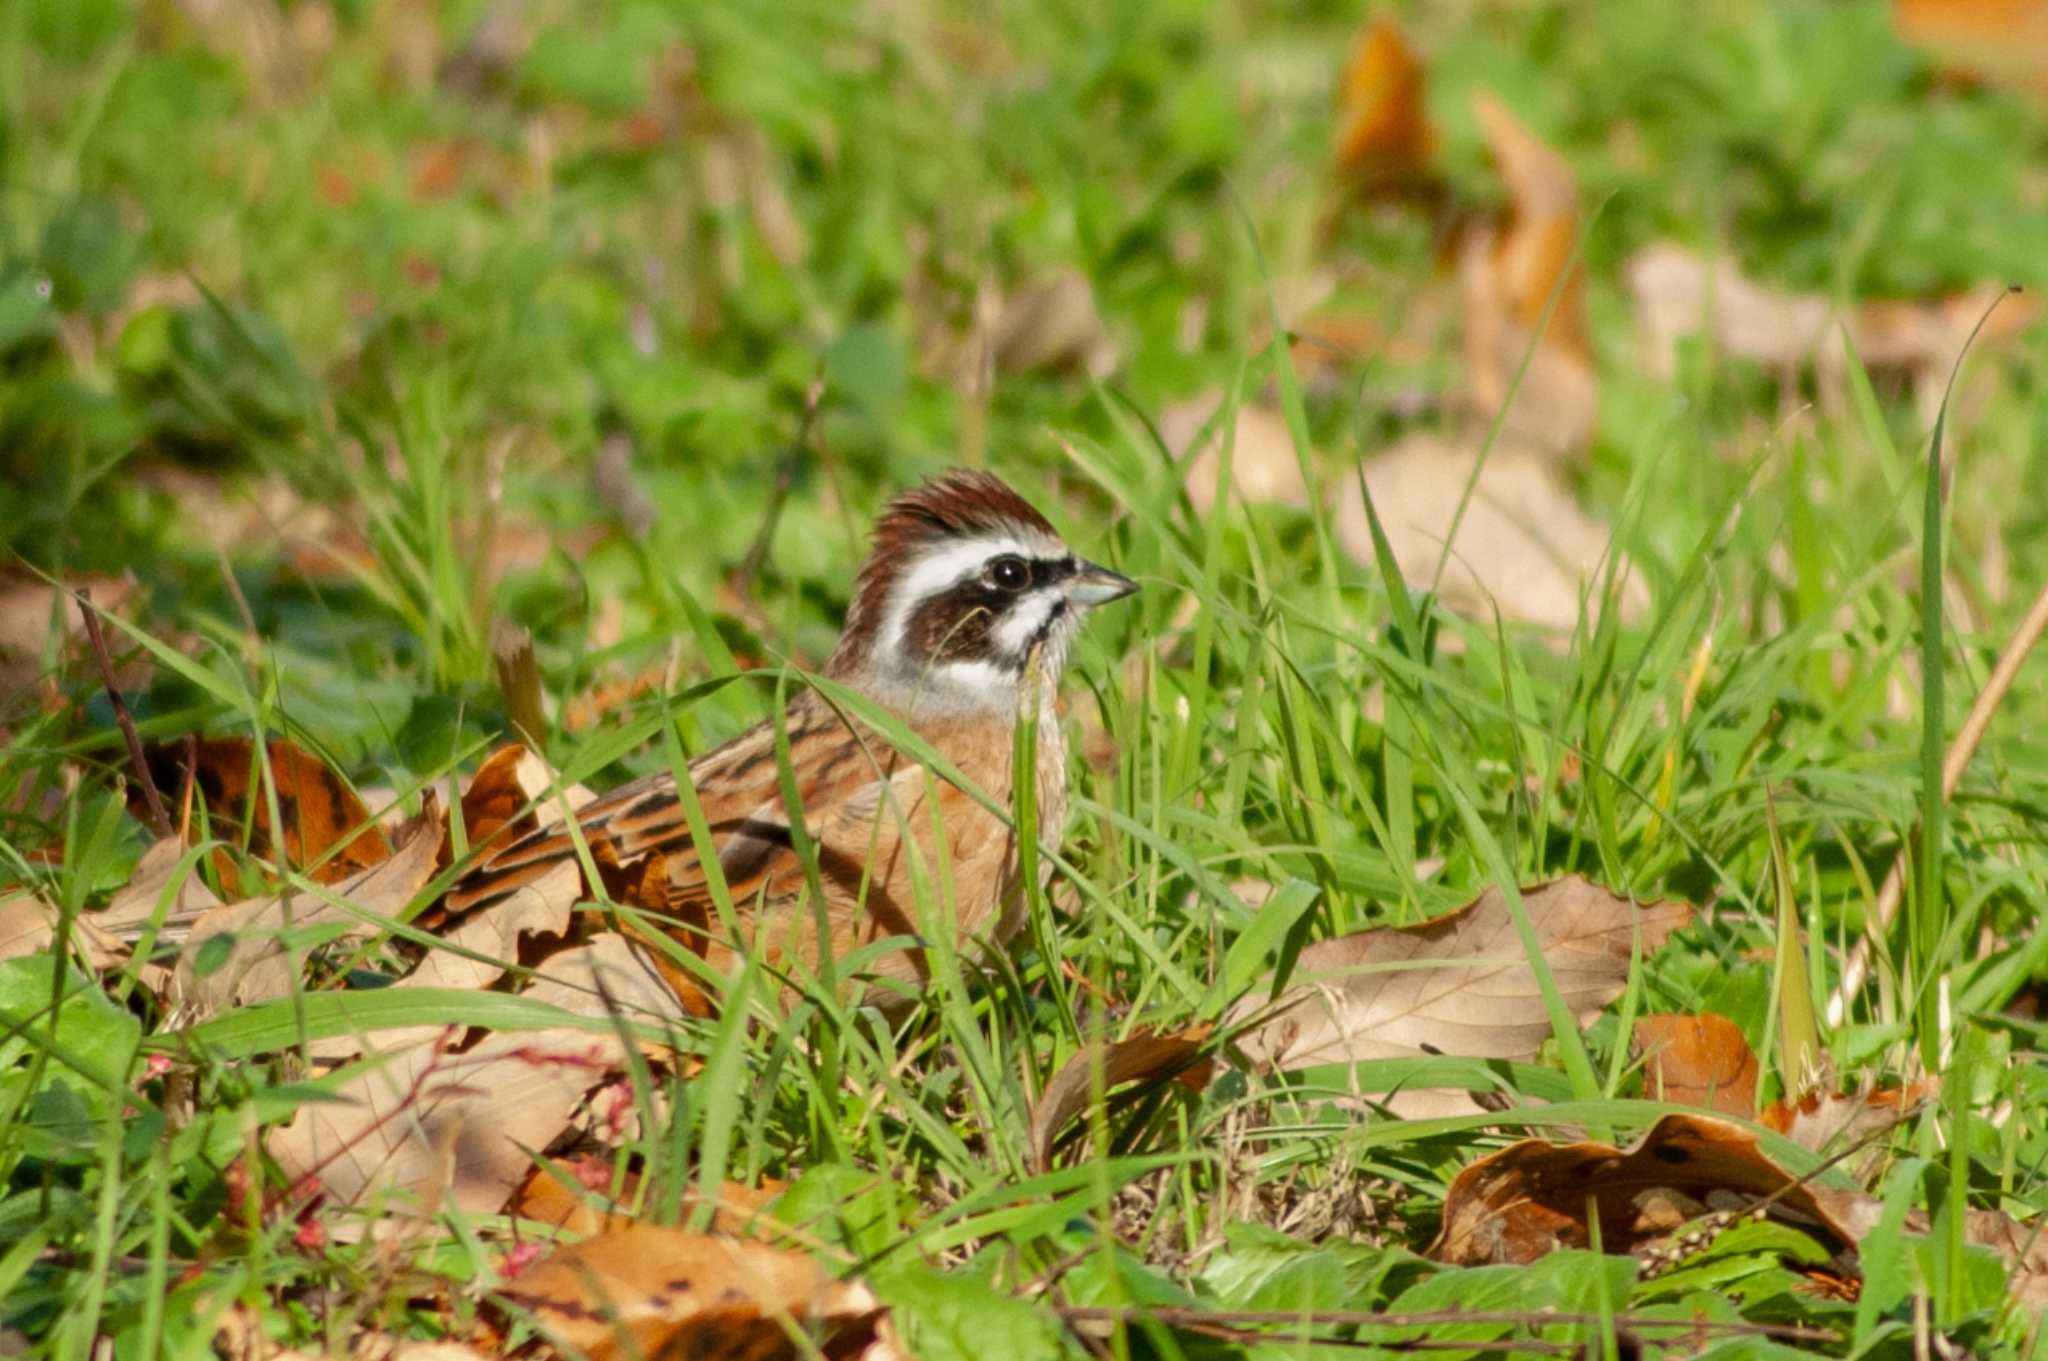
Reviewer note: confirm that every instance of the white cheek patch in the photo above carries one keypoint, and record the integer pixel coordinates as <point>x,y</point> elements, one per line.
<point>933,573</point>
<point>1023,621</point>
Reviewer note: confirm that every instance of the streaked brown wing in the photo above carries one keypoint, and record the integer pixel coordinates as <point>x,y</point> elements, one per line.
<point>738,787</point>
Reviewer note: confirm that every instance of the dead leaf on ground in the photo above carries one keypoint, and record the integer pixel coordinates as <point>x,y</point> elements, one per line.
<point>30,611</point>
<point>1458,985</point>
<point>1678,293</point>
<point>28,926</point>
<point>1148,1056</point>
<point>1530,1199</point>
<point>1827,1122</point>
<point>1698,1061</point>
<point>515,789</point>
<point>2004,42</point>
<point>445,1131</point>
<point>1384,138</point>
<point>134,904</point>
<point>608,976</point>
<point>1264,469</point>
<point>321,814</point>
<point>2024,1248</point>
<point>1523,544</point>
<point>1509,274</point>
<point>258,964</point>
<point>650,1291</point>
<point>575,1194</point>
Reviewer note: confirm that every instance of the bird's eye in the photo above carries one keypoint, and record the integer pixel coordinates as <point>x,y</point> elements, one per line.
<point>1009,573</point>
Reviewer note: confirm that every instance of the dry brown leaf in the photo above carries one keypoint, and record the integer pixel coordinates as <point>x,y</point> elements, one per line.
<point>650,1291</point>
<point>1457,985</point>
<point>1384,139</point>
<point>2004,42</point>
<point>1825,1122</point>
<point>575,1195</point>
<point>1698,1061</point>
<point>30,613</point>
<point>1051,324</point>
<point>321,814</point>
<point>134,905</point>
<point>444,1131</point>
<point>1508,276</point>
<point>28,926</point>
<point>1531,1198</point>
<point>2024,1248</point>
<point>1523,545</point>
<point>1679,294</point>
<point>608,975</point>
<point>1149,1056</point>
<point>1264,469</point>
<point>258,965</point>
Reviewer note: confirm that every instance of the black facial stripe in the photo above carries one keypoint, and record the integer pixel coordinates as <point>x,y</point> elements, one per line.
<point>1044,630</point>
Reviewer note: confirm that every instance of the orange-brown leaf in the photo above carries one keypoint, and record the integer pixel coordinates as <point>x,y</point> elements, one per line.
<point>1383,132</point>
<point>1698,1061</point>
<point>320,813</point>
<point>1149,1056</point>
<point>650,1291</point>
<point>1532,1197</point>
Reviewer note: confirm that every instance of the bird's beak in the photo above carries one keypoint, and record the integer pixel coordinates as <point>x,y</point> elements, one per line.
<point>1097,585</point>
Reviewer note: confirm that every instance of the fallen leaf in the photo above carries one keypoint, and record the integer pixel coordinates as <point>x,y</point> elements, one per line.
<point>134,905</point>
<point>1826,1121</point>
<point>651,1291</point>
<point>608,975</point>
<point>1531,1198</point>
<point>1148,1056</point>
<point>2024,1248</point>
<point>323,819</point>
<point>1051,324</point>
<point>444,1131</point>
<point>1697,1061</point>
<point>1384,138</point>
<point>2004,42</point>
<point>1264,469</point>
<point>257,963</point>
<point>1457,985</point>
<point>30,612</point>
<point>1523,545</point>
<point>28,925</point>
<point>1509,274</point>
<point>574,1194</point>
<point>1679,294</point>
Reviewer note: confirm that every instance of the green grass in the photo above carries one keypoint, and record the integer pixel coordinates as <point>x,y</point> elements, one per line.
<point>247,306</point>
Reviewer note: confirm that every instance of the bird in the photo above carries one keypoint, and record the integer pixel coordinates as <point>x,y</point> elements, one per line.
<point>960,624</point>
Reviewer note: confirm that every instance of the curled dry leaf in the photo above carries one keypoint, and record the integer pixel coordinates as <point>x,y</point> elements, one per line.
<point>1264,469</point>
<point>28,925</point>
<point>1678,294</point>
<point>1384,138</point>
<point>1531,1198</point>
<point>259,964</point>
<point>1826,1122</point>
<point>1697,1061</point>
<point>575,1194</point>
<point>134,905</point>
<point>1149,1056</point>
<point>1457,985</point>
<point>1509,275</point>
<point>31,610</point>
<point>323,819</point>
<point>1523,546</point>
<point>2024,1248</point>
<point>446,1131</point>
<point>650,1291</point>
<point>2001,41</point>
